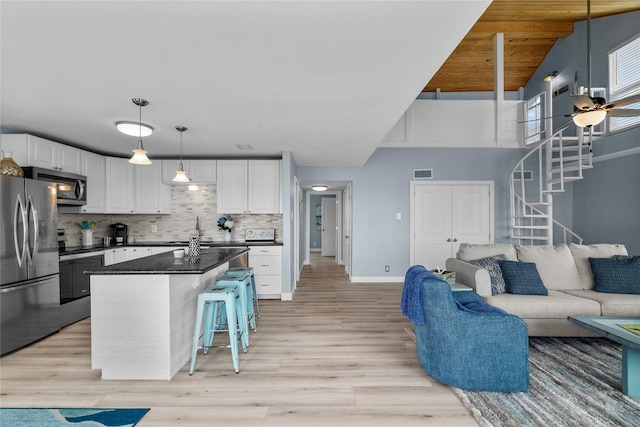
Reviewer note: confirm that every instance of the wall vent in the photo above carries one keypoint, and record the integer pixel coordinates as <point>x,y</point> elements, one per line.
<point>423,174</point>
<point>528,175</point>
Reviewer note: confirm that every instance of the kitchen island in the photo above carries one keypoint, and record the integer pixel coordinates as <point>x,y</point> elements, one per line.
<point>143,312</point>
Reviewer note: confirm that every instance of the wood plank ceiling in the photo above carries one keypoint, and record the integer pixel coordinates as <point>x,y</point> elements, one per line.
<point>530,30</point>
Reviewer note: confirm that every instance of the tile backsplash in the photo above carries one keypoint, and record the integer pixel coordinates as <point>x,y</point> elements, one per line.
<point>185,207</point>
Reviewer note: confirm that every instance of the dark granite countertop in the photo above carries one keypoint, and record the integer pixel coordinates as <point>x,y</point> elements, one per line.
<point>74,250</point>
<point>166,263</point>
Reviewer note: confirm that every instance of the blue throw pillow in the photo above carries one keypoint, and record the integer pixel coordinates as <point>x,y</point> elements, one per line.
<point>491,264</point>
<point>617,275</point>
<point>522,278</point>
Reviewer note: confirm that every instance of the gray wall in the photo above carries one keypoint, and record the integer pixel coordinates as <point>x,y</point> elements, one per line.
<point>381,189</point>
<point>604,206</point>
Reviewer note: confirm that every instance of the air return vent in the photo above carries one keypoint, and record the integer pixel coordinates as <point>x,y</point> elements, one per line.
<point>423,174</point>
<point>528,175</point>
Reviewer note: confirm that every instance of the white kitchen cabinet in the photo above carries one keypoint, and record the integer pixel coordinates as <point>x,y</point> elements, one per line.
<point>249,187</point>
<point>52,155</point>
<point>151,195</point>
<point>94,168</point>
<point>267,269</point>
<point>136,189</point>
<point>116,255</point>
<point>16,146</point>
<point>30,150</point>
<point>119,186</point>
<point>198,171</point>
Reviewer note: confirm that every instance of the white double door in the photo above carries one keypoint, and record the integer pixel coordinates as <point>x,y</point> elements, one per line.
<point>445,214</point>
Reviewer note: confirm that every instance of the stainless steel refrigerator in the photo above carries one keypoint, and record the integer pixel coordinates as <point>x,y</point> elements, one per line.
<point>29,282</point>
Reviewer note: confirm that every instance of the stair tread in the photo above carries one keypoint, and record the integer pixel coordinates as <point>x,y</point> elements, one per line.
<point>571,158</point>
<point>531,216</point>
<point>529,237</point>
<point>531,227</point>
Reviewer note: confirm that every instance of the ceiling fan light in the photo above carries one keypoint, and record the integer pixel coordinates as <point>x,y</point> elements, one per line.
<point>134,129</point>
<point>319,187</point>
<point>589,118</point>
<point>181,175</point>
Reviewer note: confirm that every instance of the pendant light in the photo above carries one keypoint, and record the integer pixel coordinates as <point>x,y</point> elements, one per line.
<point>140,154</point>
<point>181,175</point>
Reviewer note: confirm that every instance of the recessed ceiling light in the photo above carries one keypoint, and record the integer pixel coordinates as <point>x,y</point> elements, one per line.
<point>319,187</point>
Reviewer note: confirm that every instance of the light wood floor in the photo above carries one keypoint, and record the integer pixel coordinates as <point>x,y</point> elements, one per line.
<point>337,355</point>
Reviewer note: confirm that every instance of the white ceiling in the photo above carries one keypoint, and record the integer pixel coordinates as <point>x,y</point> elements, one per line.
<point>325,80</point>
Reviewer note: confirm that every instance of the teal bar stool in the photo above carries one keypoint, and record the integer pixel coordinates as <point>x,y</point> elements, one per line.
<point>254,294</point>
<point>211,319</point>
<point>243,282</point>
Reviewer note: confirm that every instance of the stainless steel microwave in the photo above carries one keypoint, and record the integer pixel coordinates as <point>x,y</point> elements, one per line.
<point>71,188</point>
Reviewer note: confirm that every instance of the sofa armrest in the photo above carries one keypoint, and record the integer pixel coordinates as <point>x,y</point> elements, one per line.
<point>476,278</point>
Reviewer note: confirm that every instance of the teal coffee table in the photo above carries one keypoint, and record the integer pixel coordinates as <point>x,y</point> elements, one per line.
<point>608,326</point>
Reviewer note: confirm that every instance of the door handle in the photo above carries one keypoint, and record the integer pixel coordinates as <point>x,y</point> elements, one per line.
<point>449,239</point>
<point>455,240</point>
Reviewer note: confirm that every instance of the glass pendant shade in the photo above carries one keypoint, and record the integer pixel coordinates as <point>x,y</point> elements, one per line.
<point>140,156</point>
<point>589,118</point>
<point>181,175</point>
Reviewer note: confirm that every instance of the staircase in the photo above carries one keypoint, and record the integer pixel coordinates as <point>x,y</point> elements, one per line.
<point>540,174</point>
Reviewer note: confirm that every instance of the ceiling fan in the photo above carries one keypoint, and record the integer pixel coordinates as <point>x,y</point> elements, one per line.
<point>592,110</point>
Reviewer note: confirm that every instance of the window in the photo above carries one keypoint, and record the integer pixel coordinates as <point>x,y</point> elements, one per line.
<point>624,80</point>
<point>534,122</point>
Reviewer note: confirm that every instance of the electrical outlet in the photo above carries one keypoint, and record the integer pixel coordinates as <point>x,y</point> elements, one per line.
<point>154,228</point>
<point>386,268</point>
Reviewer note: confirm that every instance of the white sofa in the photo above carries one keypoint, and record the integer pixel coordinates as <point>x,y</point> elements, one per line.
<point>565,272</point>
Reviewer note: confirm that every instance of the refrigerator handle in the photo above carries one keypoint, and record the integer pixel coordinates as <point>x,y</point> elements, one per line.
<point>33,250</point>
<point>19,211</point>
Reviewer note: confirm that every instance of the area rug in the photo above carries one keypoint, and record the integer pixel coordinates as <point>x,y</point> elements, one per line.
<point>572,382</point>
<point>77,417</point>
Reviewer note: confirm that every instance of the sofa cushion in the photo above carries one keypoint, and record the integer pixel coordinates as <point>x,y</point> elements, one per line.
<point>616,275</point>
<point>555,265</point>
<point>581,253</point>
<point>556,305</point>
<point>469,252</point>
<point>495,272</point>
<point>522,278</point>
<point>612,304</point>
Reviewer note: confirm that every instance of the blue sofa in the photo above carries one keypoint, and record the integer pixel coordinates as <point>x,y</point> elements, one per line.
<point>464,342</point>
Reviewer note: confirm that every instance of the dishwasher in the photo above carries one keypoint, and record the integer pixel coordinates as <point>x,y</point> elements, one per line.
<point>75,286</point>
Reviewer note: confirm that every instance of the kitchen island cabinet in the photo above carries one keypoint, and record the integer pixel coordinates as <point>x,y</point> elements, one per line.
<point>143,312</point>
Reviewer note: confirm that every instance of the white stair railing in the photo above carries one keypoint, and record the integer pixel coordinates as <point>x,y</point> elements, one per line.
<point>558,159</point>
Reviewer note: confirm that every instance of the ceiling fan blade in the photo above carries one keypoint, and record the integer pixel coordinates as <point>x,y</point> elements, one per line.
<point>545,118</point>
<point>624,101</point>
<point>582,102</point>
<point>622,112</point>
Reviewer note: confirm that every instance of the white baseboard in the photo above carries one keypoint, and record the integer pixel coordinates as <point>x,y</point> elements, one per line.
<point>382,279</point>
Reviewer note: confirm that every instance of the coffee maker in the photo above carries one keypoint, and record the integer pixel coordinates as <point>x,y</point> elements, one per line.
<point>118,234</point>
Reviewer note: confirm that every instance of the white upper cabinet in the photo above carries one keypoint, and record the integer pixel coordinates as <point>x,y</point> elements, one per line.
<point>198,171</point>
<point>136,189</point>
<point>29,150</point>
<point>51,155</point>
<point>119,185</point>
<point>94,168</point>
<point>231,192</point>
<point>249,187</point>
<point>202,171</point>
<point>152,196</point>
